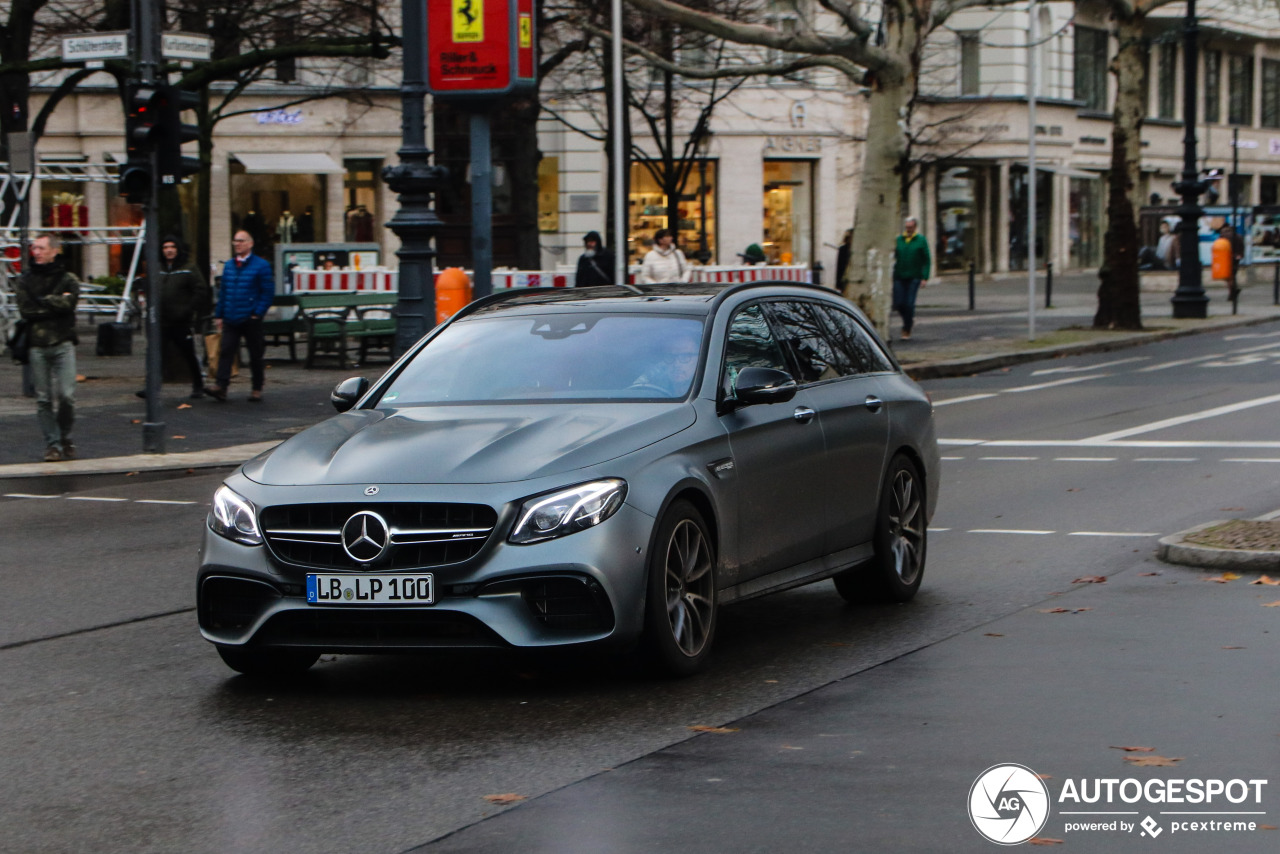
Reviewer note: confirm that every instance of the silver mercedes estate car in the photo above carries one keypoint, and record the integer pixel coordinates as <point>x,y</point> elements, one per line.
<point>559,467</point>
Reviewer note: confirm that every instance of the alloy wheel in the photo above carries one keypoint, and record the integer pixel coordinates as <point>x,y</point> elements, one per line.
<point>906,526</point>
<point>689,587</point>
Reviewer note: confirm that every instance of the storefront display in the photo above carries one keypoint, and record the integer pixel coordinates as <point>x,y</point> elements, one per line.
<point>360,193</point>
<point>788,211</point>
<point>960,192</point>
<point>696,209</point>
<point>277,208</point>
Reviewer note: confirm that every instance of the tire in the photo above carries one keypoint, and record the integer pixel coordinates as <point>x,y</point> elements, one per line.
<point>680,604</point>
<point>267,663</point>
<point>901,540</point>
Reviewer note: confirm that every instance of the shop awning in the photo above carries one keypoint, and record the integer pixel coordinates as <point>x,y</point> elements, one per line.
<point>292,163</point>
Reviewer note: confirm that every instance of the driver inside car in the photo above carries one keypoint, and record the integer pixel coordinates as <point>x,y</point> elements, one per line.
<point>672,369</point>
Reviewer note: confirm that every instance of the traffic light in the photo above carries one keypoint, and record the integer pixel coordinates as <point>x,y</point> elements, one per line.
<point>141,133</point>
<point>172,166</point>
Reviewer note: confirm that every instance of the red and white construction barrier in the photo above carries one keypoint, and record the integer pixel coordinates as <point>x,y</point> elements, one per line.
<point>322,281</point>
<point>757,273</point>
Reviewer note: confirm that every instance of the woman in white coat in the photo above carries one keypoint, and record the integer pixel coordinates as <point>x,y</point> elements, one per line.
<point>664,262</point>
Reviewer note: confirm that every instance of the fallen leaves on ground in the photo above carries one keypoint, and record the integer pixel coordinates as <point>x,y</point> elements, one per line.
<point>1235,647</point>
<point>993,635</point>
<point>1044,840</point>
<point>184,406</point>
<point>771,681</point>
<point>1222,579</point>
<point>81,378</point>
<point>508,798</point>
<point>1044,776</point>
<point>1134,749</point>
<point>1153,761</point>
<point>791,747</point>
<point>1268,827</point>
<point>177,437</point>
<point>1148,574</point>
<point>719,729</point>
<point>1063,610</point>
<point>1091,579</point>
<point>1267,580</point>
<point>131,474</point>
<point>1231,509</point>
<point>1275,604</point>
<point>136,421</point>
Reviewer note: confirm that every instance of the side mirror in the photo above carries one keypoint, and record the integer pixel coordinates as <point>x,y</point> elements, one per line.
<point>763,385</point>
<point>346,393</point>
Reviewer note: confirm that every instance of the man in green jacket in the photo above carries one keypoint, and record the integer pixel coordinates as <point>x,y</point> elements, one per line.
<point>47,295</point>
<point>911,267</point>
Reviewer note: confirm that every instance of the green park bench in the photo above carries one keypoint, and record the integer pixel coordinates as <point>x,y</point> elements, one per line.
<point>284,326</point>
<point>333,321</point>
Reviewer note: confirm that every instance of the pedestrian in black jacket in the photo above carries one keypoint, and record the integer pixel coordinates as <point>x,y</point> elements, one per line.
<point>185,300</point>
<point>595,265</point>
<point>47,294</point>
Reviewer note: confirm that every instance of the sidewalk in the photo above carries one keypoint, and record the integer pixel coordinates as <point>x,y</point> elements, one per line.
<point>949,340</point>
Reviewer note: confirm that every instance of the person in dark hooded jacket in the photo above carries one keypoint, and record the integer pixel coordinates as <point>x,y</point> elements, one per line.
<point>595,265</point>
<point>185,299</point>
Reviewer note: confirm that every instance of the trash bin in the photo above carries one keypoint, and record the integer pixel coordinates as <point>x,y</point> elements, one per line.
<point>115,339</point>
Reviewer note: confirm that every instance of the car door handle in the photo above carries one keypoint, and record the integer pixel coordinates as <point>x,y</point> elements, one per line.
<point>804,414</point>
<point>874,403</point>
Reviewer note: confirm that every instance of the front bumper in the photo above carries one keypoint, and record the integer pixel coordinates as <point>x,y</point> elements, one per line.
<point>587,587</point>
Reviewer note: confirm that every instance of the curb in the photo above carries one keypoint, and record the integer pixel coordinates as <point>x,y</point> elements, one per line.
<point>1174,550</point>
<point>978,364</point>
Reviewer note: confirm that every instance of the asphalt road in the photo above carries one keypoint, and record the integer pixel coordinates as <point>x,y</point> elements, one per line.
<point>123,731</point>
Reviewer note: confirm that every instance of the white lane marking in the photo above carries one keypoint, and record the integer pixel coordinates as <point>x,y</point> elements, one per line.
<point>1010,459</point>
<point>952,458</point>
<point>963,399</point>
<point>1067,381</point>
<point>1251,460</point>
<point>28,495</point>
<point>1111,534</point>
<point>1091,444</point>
<point>936,530</point>
<point>1185,419</point>
<point>1166,459</point>
<point>1179,363</point>
<point>1089,367</point>
<point>1251,335</point>
<point>1084,459</point>
<point>93,498</point>
<point>1256,348</point>
<point>1007,531</point>
<point>160,501</point>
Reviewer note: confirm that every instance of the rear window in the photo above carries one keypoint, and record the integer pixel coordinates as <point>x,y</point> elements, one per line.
<point>554,357</point>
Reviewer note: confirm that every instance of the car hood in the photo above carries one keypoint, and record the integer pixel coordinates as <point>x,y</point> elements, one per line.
<point>472,444</point>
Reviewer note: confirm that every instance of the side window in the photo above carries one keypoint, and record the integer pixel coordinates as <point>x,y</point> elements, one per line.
<point>750,344</point>
<point>859,353</point>
<point>804,337</point>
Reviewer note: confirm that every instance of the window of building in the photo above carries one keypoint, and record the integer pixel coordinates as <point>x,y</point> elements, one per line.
<point>1240,96</point>
<point>784,16</point>
<point>1270,93</point>
<point>788,211</point>
<point>1086,222</point>
<point>277,208</point>
<point>957,224</point>
<point>360,189</point>
<point>1213,86</point>
<point>1240,190</point>
<point>549,195</point>
<point>1091,67</point>
<point>1166,81</point>
<point>696,209</point>
<point>970,54</point>
<point>1270,190</point>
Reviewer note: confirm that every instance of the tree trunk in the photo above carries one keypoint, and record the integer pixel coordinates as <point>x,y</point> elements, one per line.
<point>868,281</point>
<point>201,251</point>
<point>524,181</point>
<point>1119,306</point>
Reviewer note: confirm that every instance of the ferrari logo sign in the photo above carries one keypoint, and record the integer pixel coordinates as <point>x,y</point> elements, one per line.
<point>468,20</point>
<point>526,31</point>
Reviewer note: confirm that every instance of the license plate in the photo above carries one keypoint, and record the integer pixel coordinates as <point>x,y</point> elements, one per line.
<point>371,589</point>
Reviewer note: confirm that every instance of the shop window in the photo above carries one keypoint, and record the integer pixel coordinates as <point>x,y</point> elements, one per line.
<point>549,195</point>
<point>970,56</point>
<point>278,208</point>
<point>1240,96</point>
<point>1091,67</point>
<point>1213,86</point>
<point>957,227</point>
<point>1270,190</point>
<point>1270,93</point>
<point>788,211</point>
<point>1018,199</point>
<point>360,195</point>
<point>1166,82</point>
<point>696,223</point>
<point>1085,223</point>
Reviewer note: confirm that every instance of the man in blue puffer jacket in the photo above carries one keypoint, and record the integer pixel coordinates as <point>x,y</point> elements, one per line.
<point>244,297</point>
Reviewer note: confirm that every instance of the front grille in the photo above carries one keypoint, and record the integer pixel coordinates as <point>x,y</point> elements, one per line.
<point>348,628</point>
<point>422,535</point>
<point>233,604</point>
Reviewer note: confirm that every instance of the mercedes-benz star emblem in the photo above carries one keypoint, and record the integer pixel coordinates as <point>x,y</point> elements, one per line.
<point>366,536</point>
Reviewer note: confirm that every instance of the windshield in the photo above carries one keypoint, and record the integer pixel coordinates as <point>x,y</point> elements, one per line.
<point>551,357</point>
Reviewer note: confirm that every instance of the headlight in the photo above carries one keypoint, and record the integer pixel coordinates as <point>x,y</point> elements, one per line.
<point>568,511</point>
<point>235,518</point>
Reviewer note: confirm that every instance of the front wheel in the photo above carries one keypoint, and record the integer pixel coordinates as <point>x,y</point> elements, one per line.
<point>680,607</point>
<point>267,663</point>
<point>901,536</point>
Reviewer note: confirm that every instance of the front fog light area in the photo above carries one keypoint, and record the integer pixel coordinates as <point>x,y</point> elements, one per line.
<point>235,518</point>
<point>568,511</point>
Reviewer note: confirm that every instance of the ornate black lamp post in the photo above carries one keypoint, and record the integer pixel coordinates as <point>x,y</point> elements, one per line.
<point>415,180</point>
<point>1190,299</point>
